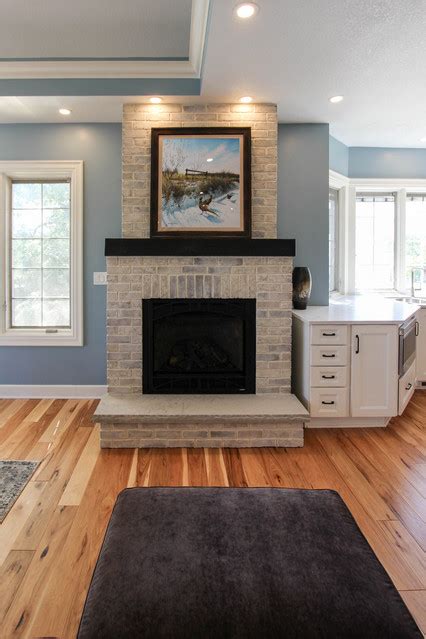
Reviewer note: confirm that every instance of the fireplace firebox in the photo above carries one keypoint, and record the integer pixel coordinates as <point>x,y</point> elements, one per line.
<point>199,346</point>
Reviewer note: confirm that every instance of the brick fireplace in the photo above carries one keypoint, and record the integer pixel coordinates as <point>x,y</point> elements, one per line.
<point>130,417</point>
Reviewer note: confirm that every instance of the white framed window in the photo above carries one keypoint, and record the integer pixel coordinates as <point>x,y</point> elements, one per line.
<point>41,253</point>
<point>382,235</point>
<point>415,243</point>
<point>375,266</point>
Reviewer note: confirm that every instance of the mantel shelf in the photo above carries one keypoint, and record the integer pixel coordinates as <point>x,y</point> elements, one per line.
<point>199,247</point>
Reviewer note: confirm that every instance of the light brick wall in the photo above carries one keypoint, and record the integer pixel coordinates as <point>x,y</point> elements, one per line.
<point>131,279</point>
<point>138,119</point>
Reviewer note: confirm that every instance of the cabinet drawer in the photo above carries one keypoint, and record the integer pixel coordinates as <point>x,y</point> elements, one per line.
<point>407,384</point>
<point>330,334</point>
<point>329,376</point>
<point>329,355</point>
<point>329,402</point>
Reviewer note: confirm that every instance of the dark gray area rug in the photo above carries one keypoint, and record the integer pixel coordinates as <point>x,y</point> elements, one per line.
<point>239,563</point>
<point>14,476</point>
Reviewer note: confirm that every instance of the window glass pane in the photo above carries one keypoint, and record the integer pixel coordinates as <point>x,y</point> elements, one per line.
<point>26,223</point>
<point>26,195</point>
<point>375,242</point>
<point>56,313</point>
<point>56,195</point>
<point>415,242</point>
<point>26,253</point>
<point>56,282</point>
<point>56,253</point>
<point>40,221</point>
<point>26,282</point>
<point>56,223</point>
<point>26,313</point>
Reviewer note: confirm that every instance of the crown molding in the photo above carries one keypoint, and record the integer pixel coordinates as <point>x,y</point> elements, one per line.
<point>161,69</point>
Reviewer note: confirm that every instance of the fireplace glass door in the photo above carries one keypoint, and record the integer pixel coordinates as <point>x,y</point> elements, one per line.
<point>199,346</point>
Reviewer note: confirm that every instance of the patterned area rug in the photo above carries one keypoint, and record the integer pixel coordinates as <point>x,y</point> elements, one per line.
<point>14,476</point>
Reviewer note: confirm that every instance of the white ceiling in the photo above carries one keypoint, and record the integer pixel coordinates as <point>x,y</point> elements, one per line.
<point>99,28</point>
<point>298,53</point>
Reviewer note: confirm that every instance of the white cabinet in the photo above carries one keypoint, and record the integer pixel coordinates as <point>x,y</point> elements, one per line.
<point>347,374</point>
<point>421,346</point>
<point>374,370</point>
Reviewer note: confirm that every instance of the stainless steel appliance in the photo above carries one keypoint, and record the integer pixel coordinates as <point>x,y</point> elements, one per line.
<point>407,344</point>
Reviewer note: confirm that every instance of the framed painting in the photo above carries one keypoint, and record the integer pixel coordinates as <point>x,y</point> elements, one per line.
<point>201,182</point>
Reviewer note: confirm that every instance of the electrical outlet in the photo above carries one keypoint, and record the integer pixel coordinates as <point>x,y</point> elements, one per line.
<point>99,279</point>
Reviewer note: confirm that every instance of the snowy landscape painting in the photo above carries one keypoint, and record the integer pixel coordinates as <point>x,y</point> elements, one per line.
<point>200,183</point>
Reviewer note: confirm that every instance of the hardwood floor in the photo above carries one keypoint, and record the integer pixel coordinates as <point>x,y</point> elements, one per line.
<point>50,540</point>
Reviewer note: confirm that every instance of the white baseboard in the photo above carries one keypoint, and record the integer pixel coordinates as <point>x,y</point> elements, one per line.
<point>348,422</point>
<point>47,391</point>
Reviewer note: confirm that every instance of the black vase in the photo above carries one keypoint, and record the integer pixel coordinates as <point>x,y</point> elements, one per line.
<point>302,284</point>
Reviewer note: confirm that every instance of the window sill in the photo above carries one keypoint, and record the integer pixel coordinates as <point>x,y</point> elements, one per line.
<point>17,337</point>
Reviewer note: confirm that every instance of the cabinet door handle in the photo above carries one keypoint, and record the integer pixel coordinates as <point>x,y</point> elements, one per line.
<point>329,334</point>
<point>417,329</point>
<point>328,403</point>
<point>357,344</point>
<point>328,376</point>
<point>331,355</point>
<point>409,385</point>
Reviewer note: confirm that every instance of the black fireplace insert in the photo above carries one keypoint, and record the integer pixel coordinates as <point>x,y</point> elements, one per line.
<point>199,346</point>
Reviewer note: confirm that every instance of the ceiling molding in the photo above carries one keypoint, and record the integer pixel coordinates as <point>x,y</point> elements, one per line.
<point>113,69</point>
<point>197,41</point>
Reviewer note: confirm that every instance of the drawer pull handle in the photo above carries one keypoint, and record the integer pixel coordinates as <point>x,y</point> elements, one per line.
<point>328,403</point>
<point>329,334</point>
<point>328,376</point>
<point>332,355</point>
<point>408,386</point>
<point>357,344</point>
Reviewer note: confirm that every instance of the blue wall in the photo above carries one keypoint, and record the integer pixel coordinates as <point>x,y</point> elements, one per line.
<point>339,156</point>
<point>303,157</point>
<point>377,162</point>
<point>99,146</point>
<point>372,162</point>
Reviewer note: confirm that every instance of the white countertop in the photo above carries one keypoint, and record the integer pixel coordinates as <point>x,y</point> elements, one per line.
<point>359,309</point>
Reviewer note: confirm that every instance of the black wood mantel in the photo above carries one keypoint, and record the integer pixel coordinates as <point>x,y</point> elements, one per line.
<point>199,247</point>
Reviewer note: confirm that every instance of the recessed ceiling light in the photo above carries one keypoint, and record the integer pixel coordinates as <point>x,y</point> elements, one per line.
<point>65,111</point>
<point>209,160</point>
<point>423,139</point>
<point>246,99</point>
<point>155,100</point>
<point>246,10</point>
<point>336,98</point>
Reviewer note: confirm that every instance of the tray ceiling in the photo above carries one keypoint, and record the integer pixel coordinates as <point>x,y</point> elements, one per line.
<point>97,29</point>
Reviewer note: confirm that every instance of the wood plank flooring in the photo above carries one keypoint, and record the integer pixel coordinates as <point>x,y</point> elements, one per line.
<point>50,540</point>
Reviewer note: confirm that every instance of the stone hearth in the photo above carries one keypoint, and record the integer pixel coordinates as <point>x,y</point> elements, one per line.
<point>206,421</point>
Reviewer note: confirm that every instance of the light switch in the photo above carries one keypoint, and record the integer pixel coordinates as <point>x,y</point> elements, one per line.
<point>99,279</point>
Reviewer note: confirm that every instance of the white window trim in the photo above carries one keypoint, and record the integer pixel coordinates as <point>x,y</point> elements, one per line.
<point>336,243</point>
<point>48,170</point>
<point>348,188</point>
